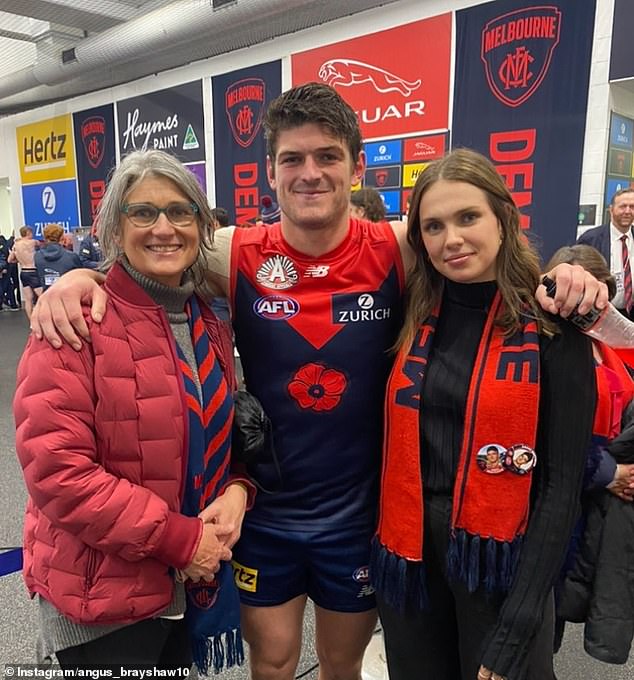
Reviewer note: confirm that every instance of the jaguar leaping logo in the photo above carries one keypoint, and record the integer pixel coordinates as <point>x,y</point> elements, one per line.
<point>347,72</point>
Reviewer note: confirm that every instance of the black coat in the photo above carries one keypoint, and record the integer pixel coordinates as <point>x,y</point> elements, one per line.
<point>599,589</point>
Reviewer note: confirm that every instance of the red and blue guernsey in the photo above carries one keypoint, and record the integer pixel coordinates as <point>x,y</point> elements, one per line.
<point>314,335</point>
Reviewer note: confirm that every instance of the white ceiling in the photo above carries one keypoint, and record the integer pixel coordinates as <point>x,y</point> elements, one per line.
<point>26,25</point>
<point>116,41</point>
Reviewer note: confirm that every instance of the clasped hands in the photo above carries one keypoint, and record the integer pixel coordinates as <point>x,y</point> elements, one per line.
<point>222,520</point>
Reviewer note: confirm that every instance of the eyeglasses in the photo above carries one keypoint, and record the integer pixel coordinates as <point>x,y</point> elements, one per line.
<point>145,214</point>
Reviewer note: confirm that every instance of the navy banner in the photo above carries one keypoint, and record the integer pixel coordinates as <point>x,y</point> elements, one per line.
<point>240,99</point>
<point>520,97</point>
<point>170,120</point>
<point>622,53</point>
<point>95,155</point>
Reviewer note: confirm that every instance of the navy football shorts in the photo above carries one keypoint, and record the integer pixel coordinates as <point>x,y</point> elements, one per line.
<point>272,566</point>
<point>30,278</point>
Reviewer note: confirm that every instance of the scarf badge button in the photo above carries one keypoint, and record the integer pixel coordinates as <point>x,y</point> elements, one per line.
<point>493,459</point>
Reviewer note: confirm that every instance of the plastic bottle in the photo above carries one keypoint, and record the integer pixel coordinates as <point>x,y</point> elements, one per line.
<point>607,325</point>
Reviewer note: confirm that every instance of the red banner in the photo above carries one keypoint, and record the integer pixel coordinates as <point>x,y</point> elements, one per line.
<point>396,80</point>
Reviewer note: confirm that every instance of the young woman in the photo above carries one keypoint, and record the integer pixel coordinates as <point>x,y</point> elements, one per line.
<point>466,556</point>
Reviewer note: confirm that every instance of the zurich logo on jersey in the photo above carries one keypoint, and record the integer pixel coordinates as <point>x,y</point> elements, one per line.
<point>276,307</point>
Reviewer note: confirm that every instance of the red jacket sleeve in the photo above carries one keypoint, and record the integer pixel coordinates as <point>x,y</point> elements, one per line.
<point>56,443</point>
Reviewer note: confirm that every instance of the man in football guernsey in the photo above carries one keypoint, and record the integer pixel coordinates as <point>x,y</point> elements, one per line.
<point>316,308</point>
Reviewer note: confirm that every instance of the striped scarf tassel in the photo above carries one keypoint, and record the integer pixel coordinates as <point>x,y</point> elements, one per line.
<point>475,561</point>
<point>402,583</point>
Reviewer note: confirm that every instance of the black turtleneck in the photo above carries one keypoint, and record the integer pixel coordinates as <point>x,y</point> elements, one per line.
<point>444,391</point>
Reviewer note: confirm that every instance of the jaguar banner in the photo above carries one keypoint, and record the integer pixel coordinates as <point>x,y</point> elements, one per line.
<point>396,80</point>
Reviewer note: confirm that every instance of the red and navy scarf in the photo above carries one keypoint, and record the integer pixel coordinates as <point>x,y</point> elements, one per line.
<point>490,511</point>
<point>213,607</point>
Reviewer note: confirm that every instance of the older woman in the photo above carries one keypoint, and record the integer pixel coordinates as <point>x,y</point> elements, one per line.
<point>125,446</point>
<point>468,549</point>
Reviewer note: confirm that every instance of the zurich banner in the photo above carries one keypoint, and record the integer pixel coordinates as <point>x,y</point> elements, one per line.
<point>520,97</point>
<point>50,203</point>
<point>95,151</point>
<point>240,99</point>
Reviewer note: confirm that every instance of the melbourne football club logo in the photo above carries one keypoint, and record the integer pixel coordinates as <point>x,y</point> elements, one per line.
<point>203,594</point>
<point>277,272</point>
<point>517,49</point>
<point>93,138</point>
<point>244,104</point>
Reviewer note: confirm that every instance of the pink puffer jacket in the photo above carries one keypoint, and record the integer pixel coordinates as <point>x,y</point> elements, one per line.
<point>102,439</point>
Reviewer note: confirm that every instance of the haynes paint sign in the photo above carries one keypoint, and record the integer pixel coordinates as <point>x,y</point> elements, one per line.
<point>170,120</point>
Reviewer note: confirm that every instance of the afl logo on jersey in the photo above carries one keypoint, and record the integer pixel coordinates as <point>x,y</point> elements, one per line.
<point>277,272</point>
<point>276,307</point>
<point>362,575</point>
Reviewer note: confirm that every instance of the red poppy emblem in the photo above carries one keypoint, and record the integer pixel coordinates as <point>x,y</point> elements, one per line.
<point>318,388</point>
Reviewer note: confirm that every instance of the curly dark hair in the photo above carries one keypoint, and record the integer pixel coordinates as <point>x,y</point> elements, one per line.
<point>312,103</point>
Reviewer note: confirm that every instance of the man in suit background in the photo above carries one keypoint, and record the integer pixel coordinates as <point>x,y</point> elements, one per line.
<point>614,241</point>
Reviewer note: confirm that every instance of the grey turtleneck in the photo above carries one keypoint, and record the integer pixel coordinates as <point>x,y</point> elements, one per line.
<point>56,631</point>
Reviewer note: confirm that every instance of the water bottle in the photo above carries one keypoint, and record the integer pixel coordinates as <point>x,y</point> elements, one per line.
<point>607,325</point>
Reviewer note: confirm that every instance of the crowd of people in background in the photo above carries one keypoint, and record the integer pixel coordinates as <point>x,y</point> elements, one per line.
<point>9,284</point>
<point>29,266</point>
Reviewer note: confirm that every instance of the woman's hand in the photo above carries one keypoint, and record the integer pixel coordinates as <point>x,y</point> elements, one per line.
<point>59,308</point>
<point>575,287</point>
<point>622,485</point>
<point>227,510</point>
<point>210,552</point>
<point>486,674</point>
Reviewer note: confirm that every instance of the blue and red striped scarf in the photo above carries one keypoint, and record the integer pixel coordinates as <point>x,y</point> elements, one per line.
<point>213,607</point>
<point>490,511</point>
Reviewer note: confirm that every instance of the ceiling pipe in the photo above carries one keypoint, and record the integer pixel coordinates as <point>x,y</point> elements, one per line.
<point>168,37</point>
<point>162,29</point>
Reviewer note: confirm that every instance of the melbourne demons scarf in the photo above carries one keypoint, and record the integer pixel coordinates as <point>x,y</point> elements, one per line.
<point>489,510</point>
<point>212,614</point>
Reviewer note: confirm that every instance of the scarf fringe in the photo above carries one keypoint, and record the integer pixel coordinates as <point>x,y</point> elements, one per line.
<point>213,652</point>
<point>495,569</point>
<point>401,583</point>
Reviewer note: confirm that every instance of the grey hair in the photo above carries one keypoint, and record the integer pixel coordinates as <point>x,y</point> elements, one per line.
<point>132,170</point>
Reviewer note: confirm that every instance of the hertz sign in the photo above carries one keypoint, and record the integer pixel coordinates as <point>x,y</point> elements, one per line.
<point>45,150</point>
